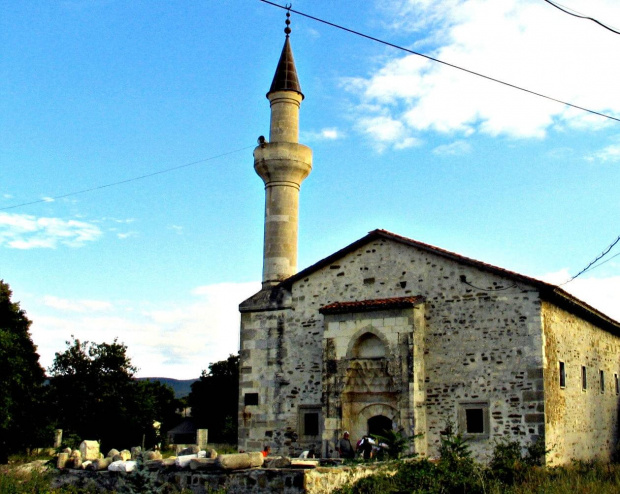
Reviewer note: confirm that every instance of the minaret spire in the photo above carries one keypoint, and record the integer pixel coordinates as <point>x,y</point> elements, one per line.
<point>283,164</point>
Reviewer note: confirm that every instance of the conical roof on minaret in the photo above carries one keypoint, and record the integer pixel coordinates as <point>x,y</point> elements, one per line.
<point>285,78</point>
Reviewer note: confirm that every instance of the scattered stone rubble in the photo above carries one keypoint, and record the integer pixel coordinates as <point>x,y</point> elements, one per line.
<point>88,457</point>
<point>201,472</point>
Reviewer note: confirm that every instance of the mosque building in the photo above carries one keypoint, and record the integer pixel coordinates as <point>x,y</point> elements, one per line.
<point>392,333</point>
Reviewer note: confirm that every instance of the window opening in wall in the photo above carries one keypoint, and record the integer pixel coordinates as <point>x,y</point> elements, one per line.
<point>616,384</point>
<point>474,419</point>
<point>250,399</point>
<point>562,375</point>
<point>311,424</point>
<point>309,421</point>
<point>584,378</point>
<point>602,380</point>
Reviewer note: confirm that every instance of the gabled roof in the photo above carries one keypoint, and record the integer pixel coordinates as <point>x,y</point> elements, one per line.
<point>285,78</point>
<point>371,305</point>
<point>548,292</point>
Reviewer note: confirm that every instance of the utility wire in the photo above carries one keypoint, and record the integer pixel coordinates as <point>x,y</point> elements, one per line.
<point>598,258</point>
<point>557,6</point>
<point>604,262</point>
<point>133,179</point>
<point>387,43</point>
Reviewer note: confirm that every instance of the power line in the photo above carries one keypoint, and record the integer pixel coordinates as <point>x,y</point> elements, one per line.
<point>574,14</point>
<point>598,258</point>
<point>387,43</point>
<point>133,179</point>
<point>604,262</point>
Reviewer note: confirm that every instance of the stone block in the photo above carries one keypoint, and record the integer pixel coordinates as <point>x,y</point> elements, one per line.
<point>202,436</point>
<point>277,462</point>
<point>100,464</point>
<point>535,373</point>
<point>239,461</point>
<point>125,455</point>
<point>534,418</point>
<point>62,460</point>
<point>151,455</point>
<point>57,438</point>
<point>533,396</point>
<point>89,450</point>
<point>202,464</point>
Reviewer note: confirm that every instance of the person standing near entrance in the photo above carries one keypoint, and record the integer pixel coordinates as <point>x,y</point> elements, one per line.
<point>344,447</point>
<point>365,447</point>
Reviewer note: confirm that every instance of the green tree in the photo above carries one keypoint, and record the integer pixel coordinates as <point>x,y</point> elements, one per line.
<point>214,400</point>
<point>155,402</point>
<point>94,395</point>
<point>21,380</point>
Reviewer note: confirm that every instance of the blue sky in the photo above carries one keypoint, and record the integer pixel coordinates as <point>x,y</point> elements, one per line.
<point>96,92</point>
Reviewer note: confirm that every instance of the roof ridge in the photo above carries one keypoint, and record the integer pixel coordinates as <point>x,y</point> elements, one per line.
<point>549,290</point>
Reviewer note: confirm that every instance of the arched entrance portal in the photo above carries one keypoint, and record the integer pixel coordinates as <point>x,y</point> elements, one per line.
<point>379,425</point>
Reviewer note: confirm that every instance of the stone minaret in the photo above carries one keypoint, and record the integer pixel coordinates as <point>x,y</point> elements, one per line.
<point>283,164</point>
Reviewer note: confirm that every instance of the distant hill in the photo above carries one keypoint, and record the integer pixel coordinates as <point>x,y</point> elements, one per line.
<point>181,387</point>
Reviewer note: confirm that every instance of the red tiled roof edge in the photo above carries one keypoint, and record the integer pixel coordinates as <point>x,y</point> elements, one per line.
<point>370,305</point>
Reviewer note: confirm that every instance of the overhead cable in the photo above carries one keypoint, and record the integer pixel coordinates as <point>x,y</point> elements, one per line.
<point>387,43</point>
<point>598,258</point>
<point>563,9</point>
<point>133,179</point>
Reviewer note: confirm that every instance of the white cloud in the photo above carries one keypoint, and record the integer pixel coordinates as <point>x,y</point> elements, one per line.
<point>76,305</point>
<point>126,235</point>
<point>456,148</point>
<point>385,132</point>
<point>326,134</point>
<point>523,42</point>
<point>119,220</point>
<point>609,154</point>
<point>177,340</point>
<point>23,231</point>
<point>601,293</point>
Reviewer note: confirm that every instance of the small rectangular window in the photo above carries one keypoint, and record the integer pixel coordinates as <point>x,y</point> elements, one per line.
<point>309,421</point>
<point>562,375</point>
<point>473,419</point>
<point>616,384</point>
<point>250,399</point>
<point>602,380</point>
<point>311,424</point>
<point>584,377</point>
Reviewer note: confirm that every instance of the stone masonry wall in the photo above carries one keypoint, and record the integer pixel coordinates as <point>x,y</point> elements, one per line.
<point>581,423</point>
<point>483,347</point>
<point>281,363</point>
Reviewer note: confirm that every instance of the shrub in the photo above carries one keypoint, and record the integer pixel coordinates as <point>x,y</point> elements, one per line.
<point>395,441</point>
<point>507,463</point>
<point>536,453</point>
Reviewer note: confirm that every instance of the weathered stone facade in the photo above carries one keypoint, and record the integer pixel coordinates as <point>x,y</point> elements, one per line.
<point>581,417</point>
<point>394,333</point>
<point>392,328</point>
